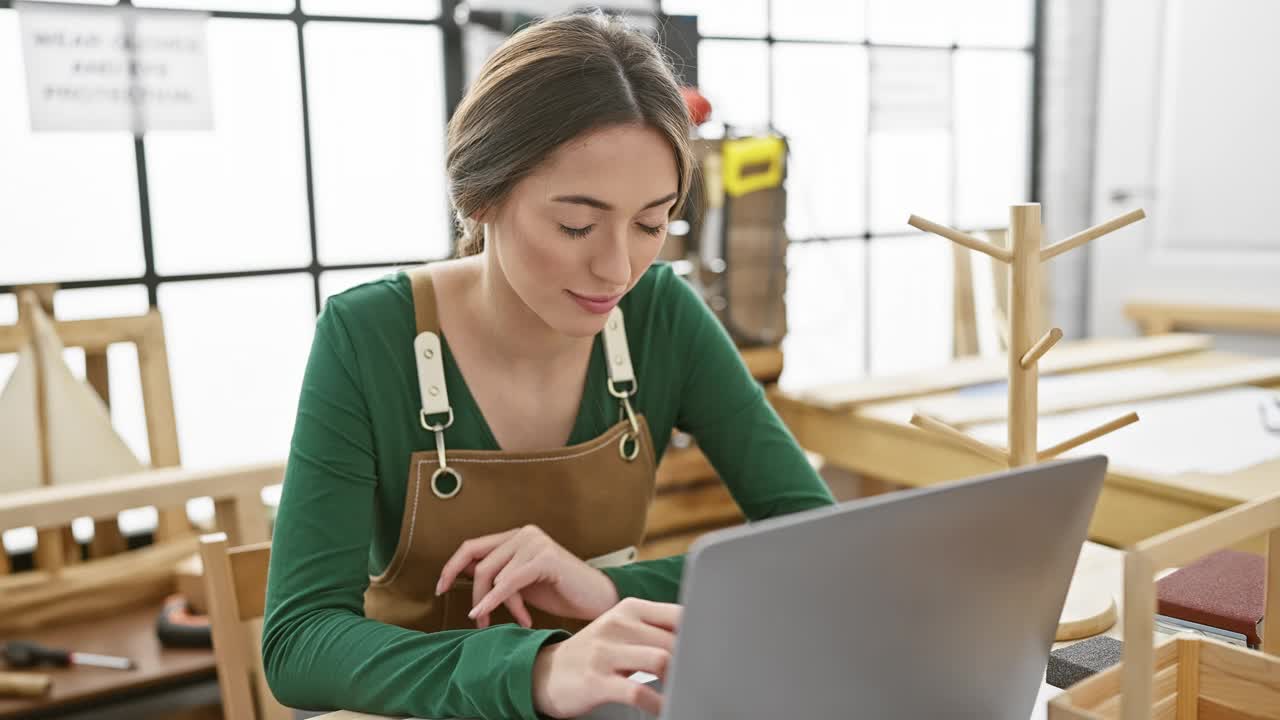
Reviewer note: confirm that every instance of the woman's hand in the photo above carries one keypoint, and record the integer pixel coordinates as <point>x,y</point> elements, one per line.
<point>592,668</point>
<point>526,566</point>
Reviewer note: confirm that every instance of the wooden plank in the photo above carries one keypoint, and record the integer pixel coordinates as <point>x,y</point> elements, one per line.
<point>1156,316</point>
<point>764,363</point>
<point>1211,710</point>
<point>1097,689</point>
<point>961,411</point>
<point>708,505</point>
<point>1240,687</point>
<point>677,544</point>
<point>44,507</point>
<point>33,599</point>
<point>249,573</point>
<point>1249,665</point>
<point>1182,545</point>
<point>228,631</point>
<point>93,335</point>
<point>681,467</point>
<point>1188,680</point>
<point>1164,686</point>
<point>1075,357</point>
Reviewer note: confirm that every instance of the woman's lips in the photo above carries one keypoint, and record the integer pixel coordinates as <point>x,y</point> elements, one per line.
<point>597,304</point>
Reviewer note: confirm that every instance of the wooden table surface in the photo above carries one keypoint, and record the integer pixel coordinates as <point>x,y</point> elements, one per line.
<point>130,634</point>
<point>877,440</point>
<point>1099,566</point>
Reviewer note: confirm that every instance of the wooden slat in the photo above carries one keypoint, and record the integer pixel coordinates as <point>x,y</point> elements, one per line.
<point>674,544</point>
<point>764,363</point>
<point>1073,358</point>
<point>1213,710</point>
<point>228,631</point>
<point>1182,545</point>
<point>170,487</point>
<point>1243,691</point>
<point>1099,688</point>
<point>1188,680</point>
<point>681,467</point>
<point>36,598</point>
<point>1155,317</point>
<point>93,335</point>
<point>704,506</point>
<point>1255,667</point>
<point>249,574</point>
<point>1164,686</point>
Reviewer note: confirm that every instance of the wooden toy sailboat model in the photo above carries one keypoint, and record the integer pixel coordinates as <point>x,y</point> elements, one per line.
<point>42,394</point>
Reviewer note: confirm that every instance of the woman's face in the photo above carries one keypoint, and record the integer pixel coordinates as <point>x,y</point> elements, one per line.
<point>575,235</point>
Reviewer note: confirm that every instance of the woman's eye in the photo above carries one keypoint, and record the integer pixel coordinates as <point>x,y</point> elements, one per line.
<point>651,229</point>
<point>576,232</point>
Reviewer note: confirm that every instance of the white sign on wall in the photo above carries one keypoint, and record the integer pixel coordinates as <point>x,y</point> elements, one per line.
<point>115,68</point>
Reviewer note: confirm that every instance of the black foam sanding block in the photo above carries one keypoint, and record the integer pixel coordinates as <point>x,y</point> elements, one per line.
<point>1073,663</point>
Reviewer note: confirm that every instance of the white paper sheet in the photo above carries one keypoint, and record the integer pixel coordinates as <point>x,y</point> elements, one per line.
<point>1216,433</point>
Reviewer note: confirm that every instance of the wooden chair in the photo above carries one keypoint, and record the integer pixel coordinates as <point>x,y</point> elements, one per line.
<point>86,607</point>
<point>38,334</point>
<point>236,587</point>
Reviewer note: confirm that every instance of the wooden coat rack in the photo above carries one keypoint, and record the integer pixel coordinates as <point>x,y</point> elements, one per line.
<point>1028,342</point>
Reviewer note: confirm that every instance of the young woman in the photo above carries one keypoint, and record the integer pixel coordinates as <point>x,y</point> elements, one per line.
<point>474,453</point>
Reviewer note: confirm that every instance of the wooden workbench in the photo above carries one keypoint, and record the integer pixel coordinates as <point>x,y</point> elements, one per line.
<point>876,440</point>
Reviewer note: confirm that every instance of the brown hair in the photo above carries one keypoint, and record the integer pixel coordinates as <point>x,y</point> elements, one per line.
<point>546,85</point>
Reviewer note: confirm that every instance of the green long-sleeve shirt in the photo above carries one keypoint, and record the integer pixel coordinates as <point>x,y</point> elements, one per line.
<point>344,491</point>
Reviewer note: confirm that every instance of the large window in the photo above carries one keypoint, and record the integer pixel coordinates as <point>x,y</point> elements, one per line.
<point>891,107</point>
<point>324,170</point>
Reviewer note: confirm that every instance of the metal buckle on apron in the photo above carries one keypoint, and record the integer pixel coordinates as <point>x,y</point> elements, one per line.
<point>444,469</point>
<point>629,443</point>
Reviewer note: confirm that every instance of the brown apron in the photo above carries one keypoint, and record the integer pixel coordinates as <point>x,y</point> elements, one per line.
<point>592,498</point>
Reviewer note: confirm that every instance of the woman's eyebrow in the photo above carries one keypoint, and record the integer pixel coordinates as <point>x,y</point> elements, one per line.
<point>602,205</point>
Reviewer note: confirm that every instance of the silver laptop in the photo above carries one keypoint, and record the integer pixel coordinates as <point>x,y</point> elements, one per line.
<point>940,602</point>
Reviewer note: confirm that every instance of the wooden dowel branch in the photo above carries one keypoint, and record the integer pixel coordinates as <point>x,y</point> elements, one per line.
<point>1041,347</point>
<point>960,238</point>
<point>1092,233</point>
<point>1083,438</point>
<point>924,422</point>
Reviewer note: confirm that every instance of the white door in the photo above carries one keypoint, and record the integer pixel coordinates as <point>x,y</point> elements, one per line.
<point>1189,129</point>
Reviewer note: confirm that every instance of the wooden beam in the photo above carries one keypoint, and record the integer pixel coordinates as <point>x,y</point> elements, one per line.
<point>169,487</point>
<point>92,335</point>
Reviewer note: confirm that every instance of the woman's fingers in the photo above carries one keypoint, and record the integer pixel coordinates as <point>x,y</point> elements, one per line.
<point>629,692</point>
<point>517,575</point>
<point>664,615</point>
<point>471,551</point>
<point>626,659</point>
<point>486,571</point>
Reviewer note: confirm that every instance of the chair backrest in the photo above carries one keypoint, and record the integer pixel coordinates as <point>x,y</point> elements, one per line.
<point>56,546</point>
<point>235,588</point>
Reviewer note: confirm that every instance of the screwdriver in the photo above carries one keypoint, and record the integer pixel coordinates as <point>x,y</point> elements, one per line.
<point>28,654</point>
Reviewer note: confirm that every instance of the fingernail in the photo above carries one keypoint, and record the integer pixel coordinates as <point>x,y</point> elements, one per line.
<point>472,614</point>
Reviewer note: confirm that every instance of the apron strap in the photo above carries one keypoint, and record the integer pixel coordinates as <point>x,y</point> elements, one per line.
<point>427,352</point>
<point>424,300</point>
